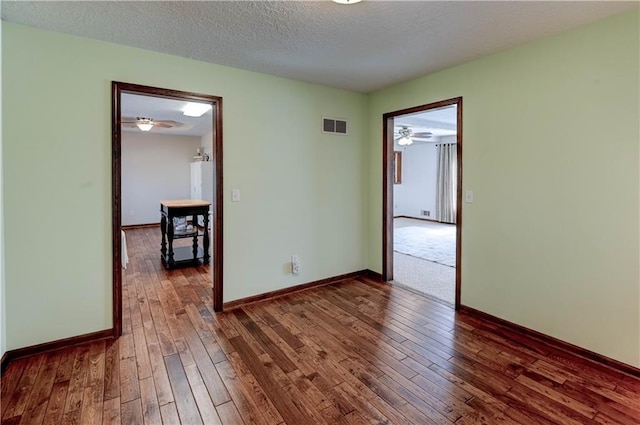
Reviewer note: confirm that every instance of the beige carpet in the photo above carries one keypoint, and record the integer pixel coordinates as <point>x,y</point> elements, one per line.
<point>432,279</point>
<point>431,244</point>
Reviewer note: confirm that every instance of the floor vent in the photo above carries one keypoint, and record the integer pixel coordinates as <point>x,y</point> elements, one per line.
<point>425,213</point>
<point>334,126</point>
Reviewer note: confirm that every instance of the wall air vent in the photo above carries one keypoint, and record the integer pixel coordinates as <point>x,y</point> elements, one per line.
<point>334,126</point>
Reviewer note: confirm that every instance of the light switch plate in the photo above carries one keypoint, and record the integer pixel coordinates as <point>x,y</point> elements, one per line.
<point>235,195</point>
<point>468,196</point>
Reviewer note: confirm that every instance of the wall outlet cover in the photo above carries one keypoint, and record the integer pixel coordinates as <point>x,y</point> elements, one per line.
<point>295,264</point>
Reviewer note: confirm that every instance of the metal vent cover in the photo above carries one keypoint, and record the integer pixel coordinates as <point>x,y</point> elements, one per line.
<point>334,126</point>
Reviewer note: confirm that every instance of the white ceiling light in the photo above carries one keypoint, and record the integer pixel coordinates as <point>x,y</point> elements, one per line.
<point>196,109</point>
<point>347,1</point>
<point>405,141</point>
<point>145,124</point>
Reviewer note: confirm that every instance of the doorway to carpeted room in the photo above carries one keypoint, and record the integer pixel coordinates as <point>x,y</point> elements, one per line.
<point>425,257</point>
<point>425,200</point>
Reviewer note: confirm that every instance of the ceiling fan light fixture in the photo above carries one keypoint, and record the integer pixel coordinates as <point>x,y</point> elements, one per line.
<point>144,124</point>
<point>347,1</point>
<point>145,127</point>
<point>405,141</point>
<point>196,109</point>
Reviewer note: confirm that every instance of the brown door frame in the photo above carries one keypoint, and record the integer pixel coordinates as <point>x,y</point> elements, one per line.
<point>117,88</point>
<point>387,187</point>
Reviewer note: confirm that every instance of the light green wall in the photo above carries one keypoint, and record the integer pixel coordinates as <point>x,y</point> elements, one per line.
<point>550,148</point>
<point>301,190</point>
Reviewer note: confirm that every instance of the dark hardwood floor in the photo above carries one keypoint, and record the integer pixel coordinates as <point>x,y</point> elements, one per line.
<point>357,352</point>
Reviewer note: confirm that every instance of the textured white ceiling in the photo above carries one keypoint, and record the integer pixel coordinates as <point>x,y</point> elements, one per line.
<point>361,47</point>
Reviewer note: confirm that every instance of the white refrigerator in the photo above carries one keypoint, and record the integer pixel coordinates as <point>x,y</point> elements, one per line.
<point>202,183</point>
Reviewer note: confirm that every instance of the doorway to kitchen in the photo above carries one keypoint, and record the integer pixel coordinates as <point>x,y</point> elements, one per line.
<point>132,93</point>
<point>422,199</point>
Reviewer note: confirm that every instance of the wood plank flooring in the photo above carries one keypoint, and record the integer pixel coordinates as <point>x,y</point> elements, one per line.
<point>357,352</point>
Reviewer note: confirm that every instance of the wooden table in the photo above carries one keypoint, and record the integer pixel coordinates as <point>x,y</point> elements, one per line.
<point>184,256</point>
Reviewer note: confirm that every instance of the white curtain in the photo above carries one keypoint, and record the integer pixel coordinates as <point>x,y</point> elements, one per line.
<point>447,183</point>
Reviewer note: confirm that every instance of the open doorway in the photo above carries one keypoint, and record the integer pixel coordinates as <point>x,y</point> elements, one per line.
<point>163,151</point>
<point>422,199</point>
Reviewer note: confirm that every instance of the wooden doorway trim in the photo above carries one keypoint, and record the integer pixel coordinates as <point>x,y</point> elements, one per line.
<point>117,89</point>
<point>387,187</point>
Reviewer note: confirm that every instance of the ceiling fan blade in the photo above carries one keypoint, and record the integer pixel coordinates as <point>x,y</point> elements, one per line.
<point>162,124</point>
<point>423,135</point>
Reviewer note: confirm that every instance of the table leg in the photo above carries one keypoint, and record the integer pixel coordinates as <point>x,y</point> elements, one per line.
<point>205,240</point>
<point>170,260</point>
<point>163,230</point>
<point>194,223</point>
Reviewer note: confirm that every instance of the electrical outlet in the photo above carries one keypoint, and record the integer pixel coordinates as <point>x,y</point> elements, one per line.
<point>295,264</point>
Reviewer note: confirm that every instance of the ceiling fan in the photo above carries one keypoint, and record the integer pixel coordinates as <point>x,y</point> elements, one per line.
<point>146,124</point>
<point>405,136</point>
